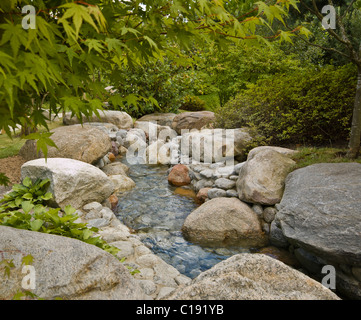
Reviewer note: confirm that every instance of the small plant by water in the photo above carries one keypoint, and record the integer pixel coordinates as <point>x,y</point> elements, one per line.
<point>25,207</point>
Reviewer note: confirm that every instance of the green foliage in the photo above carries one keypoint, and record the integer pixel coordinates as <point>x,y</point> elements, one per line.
<point>307,106</point>
<point>34,193</point>
<point>192,103</point>
<point>65,61</point>
<point>24,208</point>
<point>151,88</point>
<point>4,180</point>
<point>8,264</point>
<point>232,70</point>
<point>307,156</point>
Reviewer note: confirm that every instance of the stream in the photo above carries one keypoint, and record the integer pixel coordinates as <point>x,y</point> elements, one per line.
<point>156,213</point>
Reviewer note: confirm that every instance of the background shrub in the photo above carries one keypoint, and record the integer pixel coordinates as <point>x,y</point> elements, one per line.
<point>313,105</point>
<point>192,103</point>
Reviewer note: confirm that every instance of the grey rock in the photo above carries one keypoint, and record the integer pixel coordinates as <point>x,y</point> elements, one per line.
<point>224,171</point>
<point>97,223</point>
<point>71,182</point>
<point>162,119</point>
<point>92,206</point>
<point>66,268</point>
<point>121,133</point>
<point>182,279</point>
<point>126,249</point>
<point>148,260</point>
<point>107,214</point>
<point>285,151</point>
<point>122,182</point>
<point>216,193</point>
<point>266,228</point>
<point>276,236</point>
<point>225,221</point>
<point>84,143</point>
<point>224,183</point>
<point>192,120</point>
<point>238,167</point>
<point>145,274</point>
<point>261,179</point>
<point>116,168</point>
<point>203,183</point>
<point>257,208</point>
<point>252,277</point>
<point>112,136</point>
<point>207,173</point>
<point>148,286</point>
<point>232,193</point>
<point>164,292</point>
<point>320,211</point>
<point>93,214</point>
<point>269,214</point>
<point>119,118</point>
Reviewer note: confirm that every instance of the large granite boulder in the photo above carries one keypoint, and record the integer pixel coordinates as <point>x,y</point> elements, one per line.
<point>71,181</point>
<point>261,178</point>
<point>252,277</point>
<point>119,118</point>
<point>320,213</point>
<point>285,151</point>
<point>320,210</point>
<point>225,221</point>
<point>162,119</point>
<point>64,268</point>
<point>84,143</point>
<point>192,120</point>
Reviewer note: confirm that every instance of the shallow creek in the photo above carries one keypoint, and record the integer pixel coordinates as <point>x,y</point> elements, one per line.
<point>156,213</point>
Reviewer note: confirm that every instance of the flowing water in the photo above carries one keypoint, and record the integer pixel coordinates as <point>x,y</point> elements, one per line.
<point>157,213</point>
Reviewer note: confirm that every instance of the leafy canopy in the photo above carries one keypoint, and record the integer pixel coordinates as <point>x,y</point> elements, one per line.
<point>63,63</point>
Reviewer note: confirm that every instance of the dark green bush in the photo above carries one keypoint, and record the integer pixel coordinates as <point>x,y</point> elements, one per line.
<point>192,103</point>
<point>307,106</point>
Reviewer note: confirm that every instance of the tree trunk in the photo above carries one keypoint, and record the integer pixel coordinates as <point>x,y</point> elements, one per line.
<point>355,137</point>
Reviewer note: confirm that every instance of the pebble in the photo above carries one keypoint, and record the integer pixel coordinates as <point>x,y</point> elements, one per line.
<point>93,214</point>
<point>207,173</point>
<point>269,214</point>
<point>92,206</point>
<point>98,223</point>
<point>216,193</point>
<point>163,292</point>
<point>257,208</point>
<point>232,193</point>
<point>224,183</point>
